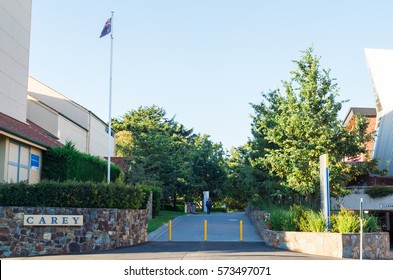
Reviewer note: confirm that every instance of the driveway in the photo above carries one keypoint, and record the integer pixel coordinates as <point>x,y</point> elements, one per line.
<point>220,227</point>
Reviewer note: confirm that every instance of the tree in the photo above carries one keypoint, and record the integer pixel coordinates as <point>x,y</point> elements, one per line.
<point>167,154</point>
<point>124,143</point>
<point>298,125</point>
<point>208,169</point>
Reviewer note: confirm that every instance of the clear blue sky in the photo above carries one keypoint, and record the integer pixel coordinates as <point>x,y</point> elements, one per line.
<point>203,61</point>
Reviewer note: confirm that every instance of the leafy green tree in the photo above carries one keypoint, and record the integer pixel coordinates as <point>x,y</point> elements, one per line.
<point>124,143</point>
<point>168,155</point>
<point>296,126</point>
<point>242,181</point>
<point>208,169</point>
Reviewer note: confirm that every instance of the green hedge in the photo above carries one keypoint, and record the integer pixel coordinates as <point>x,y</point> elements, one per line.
<point>72,194</point>
<point>157,196</point>
<point>379,191</point>
<point>67,163</point>
<point>169,207</point>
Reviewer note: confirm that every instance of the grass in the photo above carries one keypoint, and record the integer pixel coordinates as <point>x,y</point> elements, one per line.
<point>162,218</point>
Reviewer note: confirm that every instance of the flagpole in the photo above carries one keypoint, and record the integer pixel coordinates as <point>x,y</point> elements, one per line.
<point>110,106</point>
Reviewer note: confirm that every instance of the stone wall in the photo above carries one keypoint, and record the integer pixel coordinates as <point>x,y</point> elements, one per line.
<point>375,245</point>
<point>103,229</point>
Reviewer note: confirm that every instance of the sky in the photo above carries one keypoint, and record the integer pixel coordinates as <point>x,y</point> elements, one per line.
<point>203,61</point>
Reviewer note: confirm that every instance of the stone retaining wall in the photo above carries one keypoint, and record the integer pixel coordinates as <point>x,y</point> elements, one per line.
<point>341,245</point>
<point>103,229</point>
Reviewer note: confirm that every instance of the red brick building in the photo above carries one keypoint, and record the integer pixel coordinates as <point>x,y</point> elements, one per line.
<point>349,122</point>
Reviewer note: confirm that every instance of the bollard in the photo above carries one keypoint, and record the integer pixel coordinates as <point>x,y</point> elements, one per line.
<point>170,230</point>
<point>205,230</point>
<point>241,230</point>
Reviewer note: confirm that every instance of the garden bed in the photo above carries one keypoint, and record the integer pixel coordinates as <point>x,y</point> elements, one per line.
<point>376,245</point>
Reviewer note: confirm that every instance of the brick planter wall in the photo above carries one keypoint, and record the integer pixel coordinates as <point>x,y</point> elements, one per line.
<point>376,245</point>
<point>102,229</point>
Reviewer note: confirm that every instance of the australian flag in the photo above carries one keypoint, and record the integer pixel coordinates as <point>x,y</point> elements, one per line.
<point>107,28</point>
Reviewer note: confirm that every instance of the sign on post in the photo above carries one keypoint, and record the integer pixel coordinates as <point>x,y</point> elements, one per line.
<point>325,191</point>
<point>205,199</point>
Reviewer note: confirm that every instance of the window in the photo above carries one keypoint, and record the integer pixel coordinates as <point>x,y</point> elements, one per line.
<point>18,163</point>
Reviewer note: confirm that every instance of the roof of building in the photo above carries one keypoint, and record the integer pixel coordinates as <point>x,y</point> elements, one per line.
<point>28,131</point>
<point>369,112</point>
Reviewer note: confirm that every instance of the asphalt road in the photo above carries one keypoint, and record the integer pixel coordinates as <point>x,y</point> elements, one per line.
<point>223,243</point>
<point>220,227</point>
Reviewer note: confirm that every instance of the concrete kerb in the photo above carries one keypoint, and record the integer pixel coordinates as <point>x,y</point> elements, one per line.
<point>163,229</point>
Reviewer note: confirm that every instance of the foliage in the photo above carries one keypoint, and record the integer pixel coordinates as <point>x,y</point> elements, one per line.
<point>311,221</point>
<point>379,191</point>
<point>124,143</point>
<point>371,223</point>
<point>294,127</point>
<point>170,156</point>
<point>72,194</point>
<point>345,221</point>
<point>281,219</point>
<point>169,207</point>
<point>157,196</point>
<point>66,163</point>
<point>242,184</point>
<point>300,218</point>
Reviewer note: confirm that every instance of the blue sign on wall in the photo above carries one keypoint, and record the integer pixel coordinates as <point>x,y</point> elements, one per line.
<point>35,162</point>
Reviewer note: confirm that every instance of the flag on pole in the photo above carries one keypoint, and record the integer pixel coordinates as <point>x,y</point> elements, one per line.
<point>107,28</point>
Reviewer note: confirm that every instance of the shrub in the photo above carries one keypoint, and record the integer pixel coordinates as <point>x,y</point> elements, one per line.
<point>157,196</point>
<point>169,207</point>
<point>345,221</point>
<point>281,219</point>
<point>72,194</point>
<point>66,163</point>
<point>379,191</point>
<point>371,223</point>
<point>312,221</point>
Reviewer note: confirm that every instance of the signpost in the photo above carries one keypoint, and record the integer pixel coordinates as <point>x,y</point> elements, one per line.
<point>325,191</point>
<point>205,199</point>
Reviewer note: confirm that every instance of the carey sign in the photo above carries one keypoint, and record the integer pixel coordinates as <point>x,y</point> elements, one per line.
<point>53,220</point>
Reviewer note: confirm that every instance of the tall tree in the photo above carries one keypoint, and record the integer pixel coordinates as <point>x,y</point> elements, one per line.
<point>167,154</point>
<point>298,125</point>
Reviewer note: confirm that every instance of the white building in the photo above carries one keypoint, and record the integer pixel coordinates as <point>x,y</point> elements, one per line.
<point>34,117</point>
<point>67,120</point>
<point>380,65</point>
<point>15,23</point>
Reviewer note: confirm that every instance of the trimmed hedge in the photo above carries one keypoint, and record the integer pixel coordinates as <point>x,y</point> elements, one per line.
<point>157,196</point>
<point>379,191</point>
<point>72,194</point>
<point>66,163</point>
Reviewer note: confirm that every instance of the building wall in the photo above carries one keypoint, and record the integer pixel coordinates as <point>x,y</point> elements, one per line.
<point>98,138</point>
<point>35,173</point>
<point>43,116</point>
<point>58,102</point>
<point>69,131</point>
<point>380,65</point>
<point>16,159</point>
<point>75,123</point>
<point>370,130</point>
<point>352,201</point>
<point>15,18</point>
